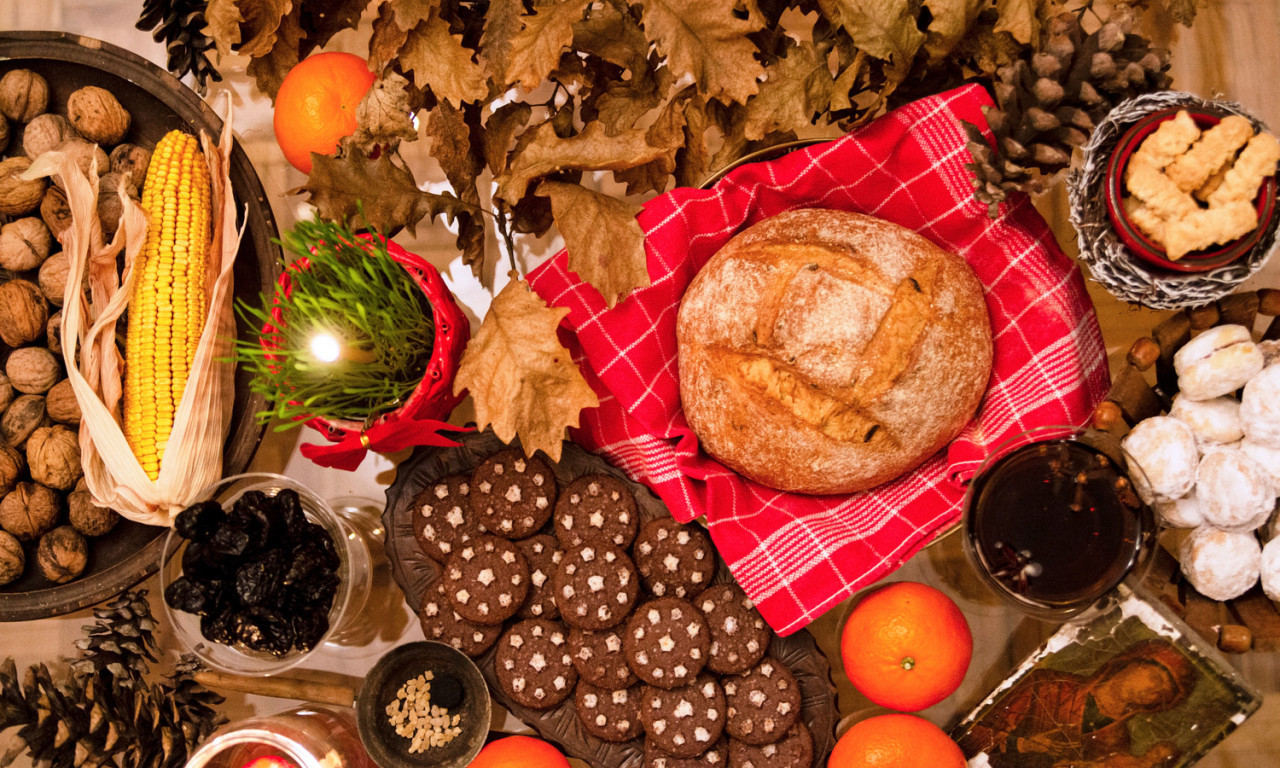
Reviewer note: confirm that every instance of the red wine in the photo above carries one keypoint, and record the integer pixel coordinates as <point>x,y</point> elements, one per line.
<point>1055,524</point>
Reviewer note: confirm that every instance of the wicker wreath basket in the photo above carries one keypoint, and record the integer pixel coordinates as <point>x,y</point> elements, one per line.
<point>1110,261</point>
<point>1145,387</point>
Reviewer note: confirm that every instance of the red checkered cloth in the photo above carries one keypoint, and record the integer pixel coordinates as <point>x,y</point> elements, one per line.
<point>799,555</point>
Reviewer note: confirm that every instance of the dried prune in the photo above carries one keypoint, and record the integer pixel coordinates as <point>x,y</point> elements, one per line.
<point>230,540</point>
<point>258,581</point>
<point>202,563</point>
<point>188,596</point>
<point>290,506</point>
<point>308,629</point>
<point>263,629</point>
<point>199,521</point>
<point>316,539</point>
<point>216,626</point>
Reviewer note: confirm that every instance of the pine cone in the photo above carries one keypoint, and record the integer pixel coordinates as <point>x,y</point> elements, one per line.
<point>179,24</point>
<point>122,642</point>
<point>1048,102</point>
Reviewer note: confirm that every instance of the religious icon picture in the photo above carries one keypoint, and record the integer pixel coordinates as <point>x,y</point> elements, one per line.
<point>1126,685</point>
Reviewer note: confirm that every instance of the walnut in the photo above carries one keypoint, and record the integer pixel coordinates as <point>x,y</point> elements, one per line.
<point>61,403</point>
<point>53,456</point>
<point>55,211</point>
<point>24,416</point>
<point>29,511</point>
<point>19,196</point>
<point>62,554</point>
<point>89,158</point>
<point>23,312</point>
<point>6,392</point>
<point>97,115</point>
<point>131,161</point>
<point>11,467</point>
<point>109,206</point>
<point>13,561</point>
<point>5,135</point>
<point>53,333</point>
<point>53,277</point>
<point>44,133</point>
<point>32,370</point>
<point>23,95</point>
<point>89,518</point>
<point>24,244</point>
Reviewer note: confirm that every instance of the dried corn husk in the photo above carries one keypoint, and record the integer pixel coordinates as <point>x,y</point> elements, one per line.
<point>193,457</point>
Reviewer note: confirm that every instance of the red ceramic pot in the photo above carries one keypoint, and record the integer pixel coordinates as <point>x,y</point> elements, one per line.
<point>1152,252</point>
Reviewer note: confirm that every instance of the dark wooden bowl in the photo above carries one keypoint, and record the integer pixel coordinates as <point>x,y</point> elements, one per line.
<point>158,103</point>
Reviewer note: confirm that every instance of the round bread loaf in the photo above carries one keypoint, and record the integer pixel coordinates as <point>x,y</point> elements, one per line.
<point>828,352</point>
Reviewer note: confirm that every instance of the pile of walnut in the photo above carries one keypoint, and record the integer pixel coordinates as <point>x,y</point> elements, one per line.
<point>1191,190</point>
<point>1213,464</point>
<point>45,510</point>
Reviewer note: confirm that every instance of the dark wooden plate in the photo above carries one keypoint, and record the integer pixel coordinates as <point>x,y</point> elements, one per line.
<point>158,103</point>
<point>414,571</point>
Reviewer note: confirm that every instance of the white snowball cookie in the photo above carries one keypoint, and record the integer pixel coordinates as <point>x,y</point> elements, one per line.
<point>1270,351</point>
<point>1164,449</point>
<point>1180,513</point>
<point>1234,491</point>
<point>1221,565</point>
<point>1260,407</point>
<point>1271,569</point>
<point>1215,421</point>
<point>1268,457</point>
<point>1217,362</point>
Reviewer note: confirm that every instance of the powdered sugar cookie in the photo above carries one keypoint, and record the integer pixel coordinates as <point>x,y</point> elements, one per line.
<point>1260,407</point>
<point>1214,422</point>
<point>667,642</point>
<point>1165,450</point>
<point>1217,362</point>
<point>1180,513</point>
<point>1221,565</point>
<point>1233,490</point>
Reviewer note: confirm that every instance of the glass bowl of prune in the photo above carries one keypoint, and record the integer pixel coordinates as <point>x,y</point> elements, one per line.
<point>259,574</point>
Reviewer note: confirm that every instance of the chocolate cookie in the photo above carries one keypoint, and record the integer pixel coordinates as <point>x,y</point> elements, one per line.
<point>716,757</point>
<point>443,624</point>
<point>544,555</point>
<point>512,495</point>
<point>794,750</point>
<point>763,703</point>
<point>596,586</point>
<point>673,559</point>
<point>607,714</point>
<point>666,642</point>
<point>533,664</point>
<point>685,721</point>
<point>487,580</point>
<point>442,519</point>
<point>596,508</point>
<point>599,659</point>
<point>739,636</point>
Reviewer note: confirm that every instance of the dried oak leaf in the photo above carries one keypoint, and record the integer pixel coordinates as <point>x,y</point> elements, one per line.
<point>1019,18</point>
<point>451,146</point>
<point>1182,11</point>
<point>259,23</point>
<point>603,238</point>
<point>652,176</point>
<point>409,13</point>
<point>886,29</point>
<point>269,70</point>
<point>501,24</point>
<point>223,19</point>
<point>625,102</point>
<point>440,62</point>
<point>500,129</point>
<point>387,38</point>
<point>795,89</point>
<point>535,50</point>
<point>706,40</point>
<point>951,21</point>
<point>390,198</point>
<point>613,36</point>
<point>521,379</point>
<point>384,116</point>
<point>590,150</point>
<point>693,159</point>
<point>322,19</point>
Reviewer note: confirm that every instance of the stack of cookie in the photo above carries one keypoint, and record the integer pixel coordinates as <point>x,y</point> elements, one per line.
<point>582,601</point>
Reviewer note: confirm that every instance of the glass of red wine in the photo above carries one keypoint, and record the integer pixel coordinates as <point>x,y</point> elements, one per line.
<point>1052,521</point>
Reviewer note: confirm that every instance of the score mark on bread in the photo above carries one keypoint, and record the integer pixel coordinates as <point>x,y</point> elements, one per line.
<point>828,352</point>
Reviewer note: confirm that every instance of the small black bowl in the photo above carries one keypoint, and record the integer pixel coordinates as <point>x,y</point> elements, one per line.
<point>391,750</point>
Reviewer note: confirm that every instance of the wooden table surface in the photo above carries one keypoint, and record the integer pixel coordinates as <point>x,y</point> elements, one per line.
<point>1231,51</point>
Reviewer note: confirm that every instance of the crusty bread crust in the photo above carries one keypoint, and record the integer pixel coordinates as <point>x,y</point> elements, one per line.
<point>828,352</point>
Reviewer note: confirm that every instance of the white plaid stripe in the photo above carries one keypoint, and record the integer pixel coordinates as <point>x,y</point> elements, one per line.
<point>798,555</point>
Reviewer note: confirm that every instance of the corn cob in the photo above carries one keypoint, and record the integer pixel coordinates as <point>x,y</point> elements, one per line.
<point>167,308</point>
